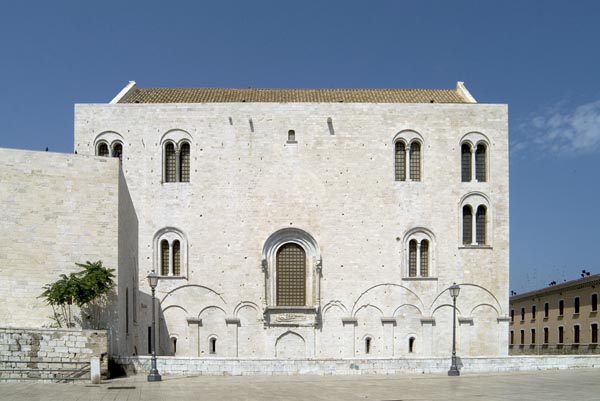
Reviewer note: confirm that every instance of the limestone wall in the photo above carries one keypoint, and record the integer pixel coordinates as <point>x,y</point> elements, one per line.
<point>27,353</point>
<point>334,182</point>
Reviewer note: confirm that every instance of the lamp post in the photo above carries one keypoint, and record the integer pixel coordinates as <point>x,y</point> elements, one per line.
<point>454,291</point>
<point>154,376</point>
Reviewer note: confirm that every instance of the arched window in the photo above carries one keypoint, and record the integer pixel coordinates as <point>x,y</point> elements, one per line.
<point>412,258</point>
<point>475,230</point>
<point>411,345</point>
<point>164,258</point>
<point>174,345</point>
<point>368,345</point>
<point>171,253</point>
<point>176,258</point>
<point>466,162</point>
<point>103,150</point>
<point>419,249</point>
<point>424,267</point>
<point>212,345</point>
<point>291,275</point>
<point>480,163</point>
<point>407,156</point>
<point>170,163</point>
<point>415,161</point>
<point>291,136</point>
<point>117,150</point>
<point>467,225</point>
<point>184,162</point>
<point>400,161</point>
<point>481,223</point>
<point>474,163</point>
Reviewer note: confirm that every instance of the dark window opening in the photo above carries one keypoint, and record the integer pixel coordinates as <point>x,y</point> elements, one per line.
<point>164,258</point>
<point>546,309</point>
<point>184,163</point>
<point>533,336</point>
<point>103,150</point>
<point>594,302</point>
<point>213,345</point>
<point>546,335</point>
<point>424,258</point>
<point>170,163</point>
<point>561,335</point>
<point>174,345</point>
<point>291,275</point>
<point>480,163</point>
<point>576,305</point>
<point>533,311</point>
<point>176,258</point>
<point>481,225</point>
<point>411,345</point>
<point>512,315</point>
<point>576,334</point>
<point>291,136</point>
<point>561,307</point>
<point>466,163</point>
<point>400,161</point>
<point>512,337</point>
<point>522,337</point>
<point>594,333</point>
<point>415,161</point>
<point>412,258</point>
<point>118,151</point>
<point>522,313</point>
<point>368,345</point>
<point>467,225</point>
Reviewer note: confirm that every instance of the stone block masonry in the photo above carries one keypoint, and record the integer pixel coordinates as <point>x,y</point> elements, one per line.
<point>50,354</point>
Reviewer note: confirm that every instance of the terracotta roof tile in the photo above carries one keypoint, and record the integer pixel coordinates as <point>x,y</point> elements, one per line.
<point>234,95</point>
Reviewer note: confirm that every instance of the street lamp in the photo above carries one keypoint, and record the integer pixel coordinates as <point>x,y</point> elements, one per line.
<point>454,291</point>
<point>154,376</point>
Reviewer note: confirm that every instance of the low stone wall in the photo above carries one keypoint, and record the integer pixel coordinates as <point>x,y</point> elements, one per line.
<point>385,366</point>
<point>50,354</point>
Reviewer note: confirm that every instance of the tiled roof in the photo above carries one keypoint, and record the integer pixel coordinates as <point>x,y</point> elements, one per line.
<point>229,95</point>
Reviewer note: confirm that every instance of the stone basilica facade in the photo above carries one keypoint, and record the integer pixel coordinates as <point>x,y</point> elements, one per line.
<point>284,223</point>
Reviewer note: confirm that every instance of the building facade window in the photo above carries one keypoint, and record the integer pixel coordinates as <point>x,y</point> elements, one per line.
<point>576,334</point>
<point>561,307</point>
<point>109,144</point>
<point>291,263</point>
<point>411,345</point>
<point>576,305</point>
<point>170,246</point>
<point>512,315</point>
<point>546,335</point>
<point>512,337</point>
<point>561,334</point>
<point>522,337</point>
<point>408,155</point>
<point>594,302</point>
<point>522,314</point>
<point>420,253</point>
<point>291,136</point>
<point>212,346</point>
<point>368,345</point>
<point>291,275</point>
<point>546,309</point>
<point>594,329</point>
<point>533,336</point>
<point>533,311</point>
<point>475,229</point>
<point>474,157</point>
<point>103,150</point>
<point>176,156</point>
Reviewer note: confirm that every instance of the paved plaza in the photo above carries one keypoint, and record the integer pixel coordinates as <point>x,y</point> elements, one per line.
<point>578,384</point>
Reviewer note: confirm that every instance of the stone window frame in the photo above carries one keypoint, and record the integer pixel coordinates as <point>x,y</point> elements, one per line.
<point>475,139</point>
<point>313,264</point>
<point>111,139</point>
<point>475,200</point>
<point>171,234</point>
<point>419,234</point>
<point>178,138</point>
<point>409,137</point>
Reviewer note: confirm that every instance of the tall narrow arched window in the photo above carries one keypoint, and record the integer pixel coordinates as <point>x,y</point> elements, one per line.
<point>400,161</point>
<point>174,345</point>
<point>411,345</point>
<point>291,136</point>
<point>170,163</point>
<point>415,161</point>
<point>117,151</point>
<point>467,226</point>
<point>184,163</point>
<point>412,258</point>
<point>291,275</point>
<point>424,258</point>
<point>480,163</point>
<point>164,258</point>
<point>480,225</point>
<point>465,162</point>
<point>103,150</point>
<point>212,345</point>
<point>176,258</point>
<point>368,345</point>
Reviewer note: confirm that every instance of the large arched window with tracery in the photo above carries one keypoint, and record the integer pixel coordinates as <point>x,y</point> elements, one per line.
<point>291,275</point>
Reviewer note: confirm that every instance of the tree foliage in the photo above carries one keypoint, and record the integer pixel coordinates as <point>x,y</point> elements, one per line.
<point>87,289</point>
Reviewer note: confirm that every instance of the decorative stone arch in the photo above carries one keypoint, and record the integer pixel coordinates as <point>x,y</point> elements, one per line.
<point>419,235</point>
<point>474,200</point>
<point>171,235</point>
<point>313,264</point>
<point>290,345</point>
<point>402,163</point>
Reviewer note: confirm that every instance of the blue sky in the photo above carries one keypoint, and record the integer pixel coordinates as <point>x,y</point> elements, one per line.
<point>542,58</point>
